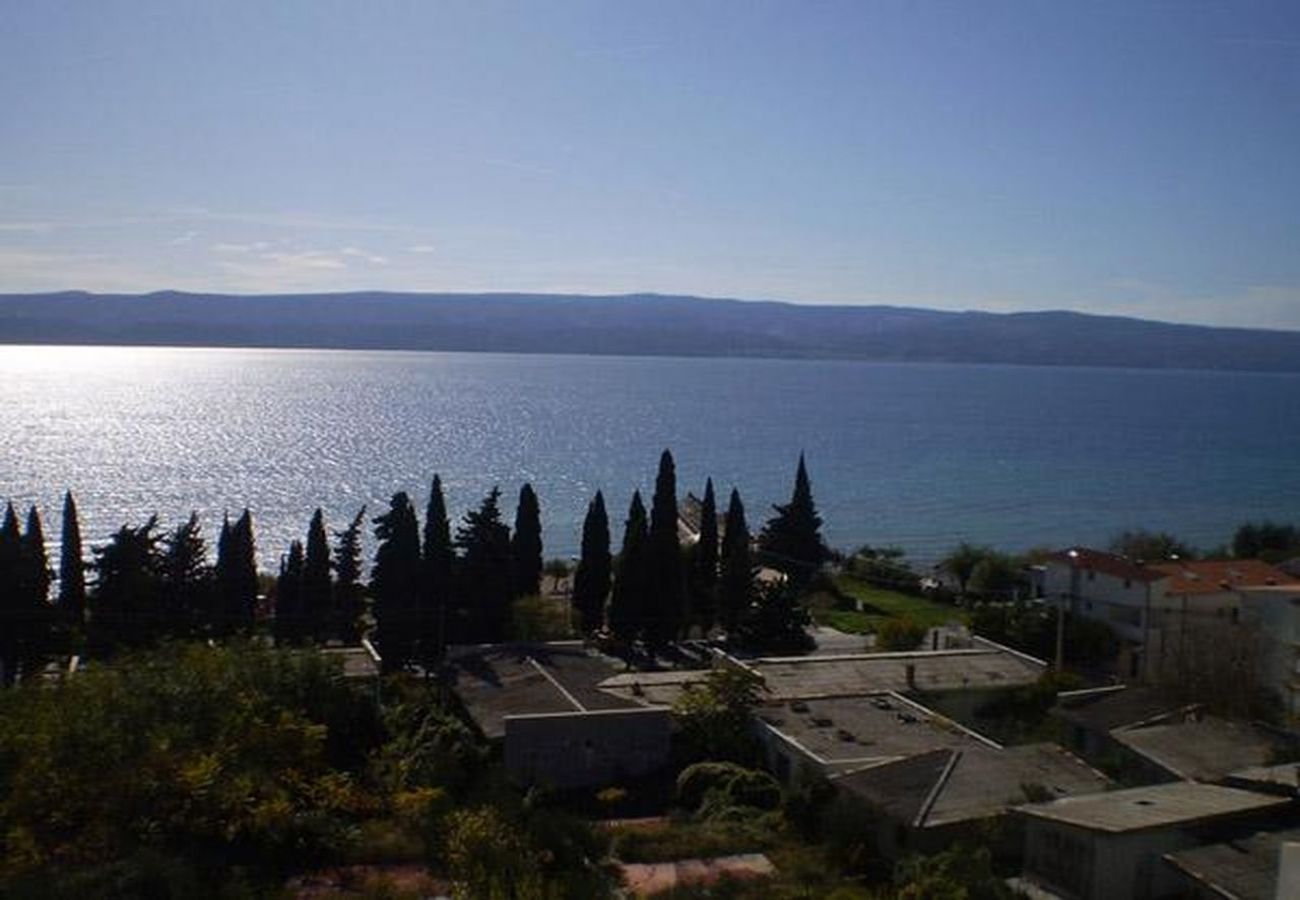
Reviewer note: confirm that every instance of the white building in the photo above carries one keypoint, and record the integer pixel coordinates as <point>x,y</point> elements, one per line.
<point>1164,611</point>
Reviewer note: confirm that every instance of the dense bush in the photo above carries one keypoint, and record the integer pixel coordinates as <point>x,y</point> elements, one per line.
<point>899,634</point>
<point>724,784</point>
<point>225,755</point>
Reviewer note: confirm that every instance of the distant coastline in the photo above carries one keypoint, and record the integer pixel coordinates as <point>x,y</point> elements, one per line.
<point>635,325</point>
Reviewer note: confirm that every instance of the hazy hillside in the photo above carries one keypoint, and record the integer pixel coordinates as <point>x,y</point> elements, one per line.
<point>635,324</point>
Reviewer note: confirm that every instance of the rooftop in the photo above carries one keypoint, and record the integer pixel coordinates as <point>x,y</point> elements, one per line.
<point>518,679</point>
<point>1245,869</point>
<point>1204,748</point>
<point>850,732</point>
<point>944,786</point>
<point>1107,563</point>
<point>1114,708</point>
<point>1213,576</point>
<point>1158,806</point>
<point>852,675</point>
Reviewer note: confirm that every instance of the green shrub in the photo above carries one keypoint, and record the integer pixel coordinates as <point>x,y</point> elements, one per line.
<point>899,634</point>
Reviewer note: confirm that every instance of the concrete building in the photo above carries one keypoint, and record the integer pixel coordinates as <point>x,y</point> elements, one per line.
<point>925,779</point>
<point>1243,869</point>
<point>1111,845</point>
<point>1169,614</point>
<point>544,705</point>
<point>1274,612</point>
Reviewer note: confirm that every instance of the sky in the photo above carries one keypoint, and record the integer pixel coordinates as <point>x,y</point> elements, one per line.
<point>1129,158</point>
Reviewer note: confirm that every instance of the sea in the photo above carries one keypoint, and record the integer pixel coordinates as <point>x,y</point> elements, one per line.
<point>916,456</point>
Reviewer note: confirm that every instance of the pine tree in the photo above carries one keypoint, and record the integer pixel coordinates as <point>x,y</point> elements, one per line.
<point>439,559</point>
<point>72,567</point>
<point>629,600</point>
<point>395,582</point>
<point>317,586</point>
<point>791,541</point>
<point>291,624</point>
<point>665,617</point>
<point>349,594</point>
<point>526,545</point>
<point>591,580</point>
<point>704,563</point>
<point>236,576</point>
<point>186,580</point>
<point>736,580</point>
<point>125,607</point>
<point>484,583</point>
<point>12,623</point>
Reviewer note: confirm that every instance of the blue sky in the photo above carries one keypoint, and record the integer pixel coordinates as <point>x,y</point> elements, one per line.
<point>1132,158</point>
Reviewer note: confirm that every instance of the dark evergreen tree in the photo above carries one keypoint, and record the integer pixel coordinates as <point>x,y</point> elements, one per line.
<point>704,563</point>
<point>125,607</point>
<point>791,541</point>
<point>439,560</point>
<point>72,567</point>
<point>186,580</point>
<point>776,622</point>
<point>591,580</point>
<point>664,619</point>
<point>291,625</point>
<point>526,545</point>
<point>39,638</point>
<point>395,582</point>
<point>630,598</point>
<point>349,594</point>
<point>736,579</point>
<point>317,586</point>
<point>14,625</point>
<point>484,587</point>
<point>236,603</point>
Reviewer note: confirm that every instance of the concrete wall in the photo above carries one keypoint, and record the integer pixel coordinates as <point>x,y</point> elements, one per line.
<point>1087,865</point>
<point>1277,623</point>
<point>586,749</point>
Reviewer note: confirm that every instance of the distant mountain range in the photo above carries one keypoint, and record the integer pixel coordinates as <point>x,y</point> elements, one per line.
<point>637,324</point>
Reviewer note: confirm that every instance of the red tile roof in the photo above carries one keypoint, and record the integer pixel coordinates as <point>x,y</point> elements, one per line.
<point>1107,563</point>
<point>1214,576</point>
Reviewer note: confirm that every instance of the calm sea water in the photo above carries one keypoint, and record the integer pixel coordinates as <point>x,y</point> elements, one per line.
<point>922,456</point>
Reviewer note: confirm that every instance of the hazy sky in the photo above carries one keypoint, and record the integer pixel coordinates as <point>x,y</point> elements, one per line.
<point>1127,157</point>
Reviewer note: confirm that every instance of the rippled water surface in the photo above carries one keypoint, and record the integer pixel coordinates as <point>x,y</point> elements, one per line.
<point>922,456</point>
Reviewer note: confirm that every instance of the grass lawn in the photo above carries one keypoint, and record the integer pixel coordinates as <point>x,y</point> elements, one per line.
<point>880,604</point>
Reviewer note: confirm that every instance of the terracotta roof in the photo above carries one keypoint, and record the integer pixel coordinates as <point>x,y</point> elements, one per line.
<point>1213,576</point>
<point>1107,563</point>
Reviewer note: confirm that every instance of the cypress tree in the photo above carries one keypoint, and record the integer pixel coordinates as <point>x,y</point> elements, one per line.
<point>36,563</point>
<point>439,558</point>
<point>665,618</point>
<point>591,580</point>
<point>39,639</point>
<point>526,545</point>
<point>395,582</point>
<point>236,576</point>
<point>349,594</point>
<point>291,623</point>
<point>736,580</point>
<point>72,567</point>
<point>317,586</point>
<point>791,540</point>
<point>186,580</point>
<point>704,563</point>
<point>485,587</point>
<point>628,602</point>
<point>13,625</point>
